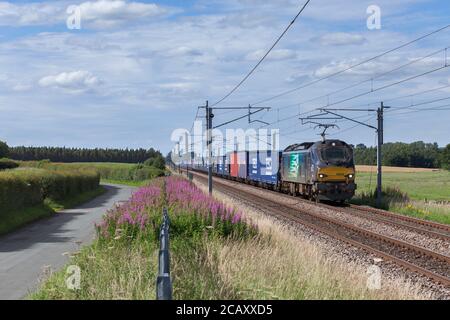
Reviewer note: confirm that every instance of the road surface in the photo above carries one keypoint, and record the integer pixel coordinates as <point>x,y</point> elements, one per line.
<point>27,252</point>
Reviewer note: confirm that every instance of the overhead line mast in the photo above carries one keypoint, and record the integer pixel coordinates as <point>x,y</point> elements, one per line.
<point>209,127</point>
<point>326,112</point>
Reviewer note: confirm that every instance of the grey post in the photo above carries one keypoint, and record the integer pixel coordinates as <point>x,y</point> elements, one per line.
<point>209,116</point>
<point>380,131</point>
<point>163,282</point>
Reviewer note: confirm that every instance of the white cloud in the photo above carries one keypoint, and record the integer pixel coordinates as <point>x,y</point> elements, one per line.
<point>385,68</point>
<point>174,64</point>
<point>20,87</point>
<point>29,14</point>
<point>182,51</point>
<point>341,39</point>
<point>107,13</point>
<point>99,14</point>
<point>278,55</point>
<point>178,87</point>
<point>74,82</point>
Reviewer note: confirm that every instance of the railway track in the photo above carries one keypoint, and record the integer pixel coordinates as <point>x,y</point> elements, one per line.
<point>440,230</point>
<point>427,228</point>
<point>427,263</point>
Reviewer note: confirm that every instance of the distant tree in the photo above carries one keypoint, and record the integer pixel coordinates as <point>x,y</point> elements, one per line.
<point>156,161</point>
<point>417,154</point>
<point>445,157</point>
<point>361,146</point>
<point>63,154</point>
<point>4,149</point>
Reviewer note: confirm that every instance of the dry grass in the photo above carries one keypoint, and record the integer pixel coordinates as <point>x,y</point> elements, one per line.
<point>107,273</point>
<point>363,168</point>
<point>287,265</point>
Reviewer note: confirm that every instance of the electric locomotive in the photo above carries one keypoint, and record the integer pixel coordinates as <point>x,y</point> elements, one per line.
<point>321,170</point>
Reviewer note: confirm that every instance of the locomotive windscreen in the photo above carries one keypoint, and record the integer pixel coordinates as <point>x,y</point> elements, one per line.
<point>336,155</point>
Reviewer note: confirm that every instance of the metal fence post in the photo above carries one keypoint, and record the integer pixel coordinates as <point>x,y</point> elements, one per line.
<point>163,282</point>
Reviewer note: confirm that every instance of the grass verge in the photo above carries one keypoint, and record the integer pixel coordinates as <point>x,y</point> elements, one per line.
<point>424,210</point>
<point>76,200</point>
<point>130,183</point>
<point>12,220</point>
<point>397,201</point>
<point>15,219</point>
<point>216,253</point>
<point>420,186</point>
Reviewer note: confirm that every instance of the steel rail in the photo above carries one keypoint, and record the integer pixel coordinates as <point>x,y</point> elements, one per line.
<point>415,251</point>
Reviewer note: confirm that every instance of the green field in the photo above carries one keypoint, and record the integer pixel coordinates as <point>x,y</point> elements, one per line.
<point>424,195</point>
<point>125,173</point>
<point>418,185</point>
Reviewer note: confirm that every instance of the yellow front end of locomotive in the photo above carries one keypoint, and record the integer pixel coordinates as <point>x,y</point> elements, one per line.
<point>336,174</point>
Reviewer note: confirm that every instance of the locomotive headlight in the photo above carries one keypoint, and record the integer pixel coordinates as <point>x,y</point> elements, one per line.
<point>321,176</point>
<point>350,176</point>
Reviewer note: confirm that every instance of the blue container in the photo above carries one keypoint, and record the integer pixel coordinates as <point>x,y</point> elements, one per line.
<point>220,165</point>
<point>242,160</point>
<point>226,165</point>
<point>264,166</point>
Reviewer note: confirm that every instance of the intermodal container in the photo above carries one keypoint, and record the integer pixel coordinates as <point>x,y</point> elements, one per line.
<point>242,157</point>
<point>226,165</point>
<point>234,165</point>
<point>264,166</point>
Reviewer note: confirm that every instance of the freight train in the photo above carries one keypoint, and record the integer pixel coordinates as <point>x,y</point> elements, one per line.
<point>321,170</point>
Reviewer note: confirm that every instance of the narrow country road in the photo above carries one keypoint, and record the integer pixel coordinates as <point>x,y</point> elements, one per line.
<point>44,244</point>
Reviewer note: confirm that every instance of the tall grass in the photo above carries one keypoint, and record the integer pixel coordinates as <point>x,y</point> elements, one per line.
<point>217,252</point>
<point>107,171</point>
<point>395,200</point>
<point>285,264</point>
<point>128,238</point>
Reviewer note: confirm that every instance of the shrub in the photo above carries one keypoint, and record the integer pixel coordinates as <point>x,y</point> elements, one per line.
<point>4,149</point>
<point>390,196</point>
<point>7,164</point>
<point>23,188</point>
<point>192,213</point>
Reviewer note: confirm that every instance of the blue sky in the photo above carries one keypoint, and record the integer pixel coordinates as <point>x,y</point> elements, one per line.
<point>137,70</point>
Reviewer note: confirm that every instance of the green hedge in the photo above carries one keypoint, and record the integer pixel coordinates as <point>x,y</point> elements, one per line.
<point>8,164</point>
<point>109,171</point>
<point>23,188</point>
<point>134,173</point>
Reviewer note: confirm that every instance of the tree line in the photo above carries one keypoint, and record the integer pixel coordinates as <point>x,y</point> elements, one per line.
<point>62,154</point>
<point>417,154</point>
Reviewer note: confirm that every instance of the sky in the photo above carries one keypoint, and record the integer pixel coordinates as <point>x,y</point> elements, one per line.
<point>137,70</point>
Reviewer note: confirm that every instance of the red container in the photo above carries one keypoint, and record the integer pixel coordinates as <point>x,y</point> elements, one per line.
<point>234,164</point>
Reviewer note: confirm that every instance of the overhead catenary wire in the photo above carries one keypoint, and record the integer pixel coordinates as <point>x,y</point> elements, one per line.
<point>439,108</point>
<point>350,67</point>
<point>263,58</point>
<point>405,96</point>
<point>346,69</point>
<point>394,109</point>
<point>366,80</point>
<point>364,93</point>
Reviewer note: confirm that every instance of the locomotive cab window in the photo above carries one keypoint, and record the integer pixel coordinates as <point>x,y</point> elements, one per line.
<point>336,155</point>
